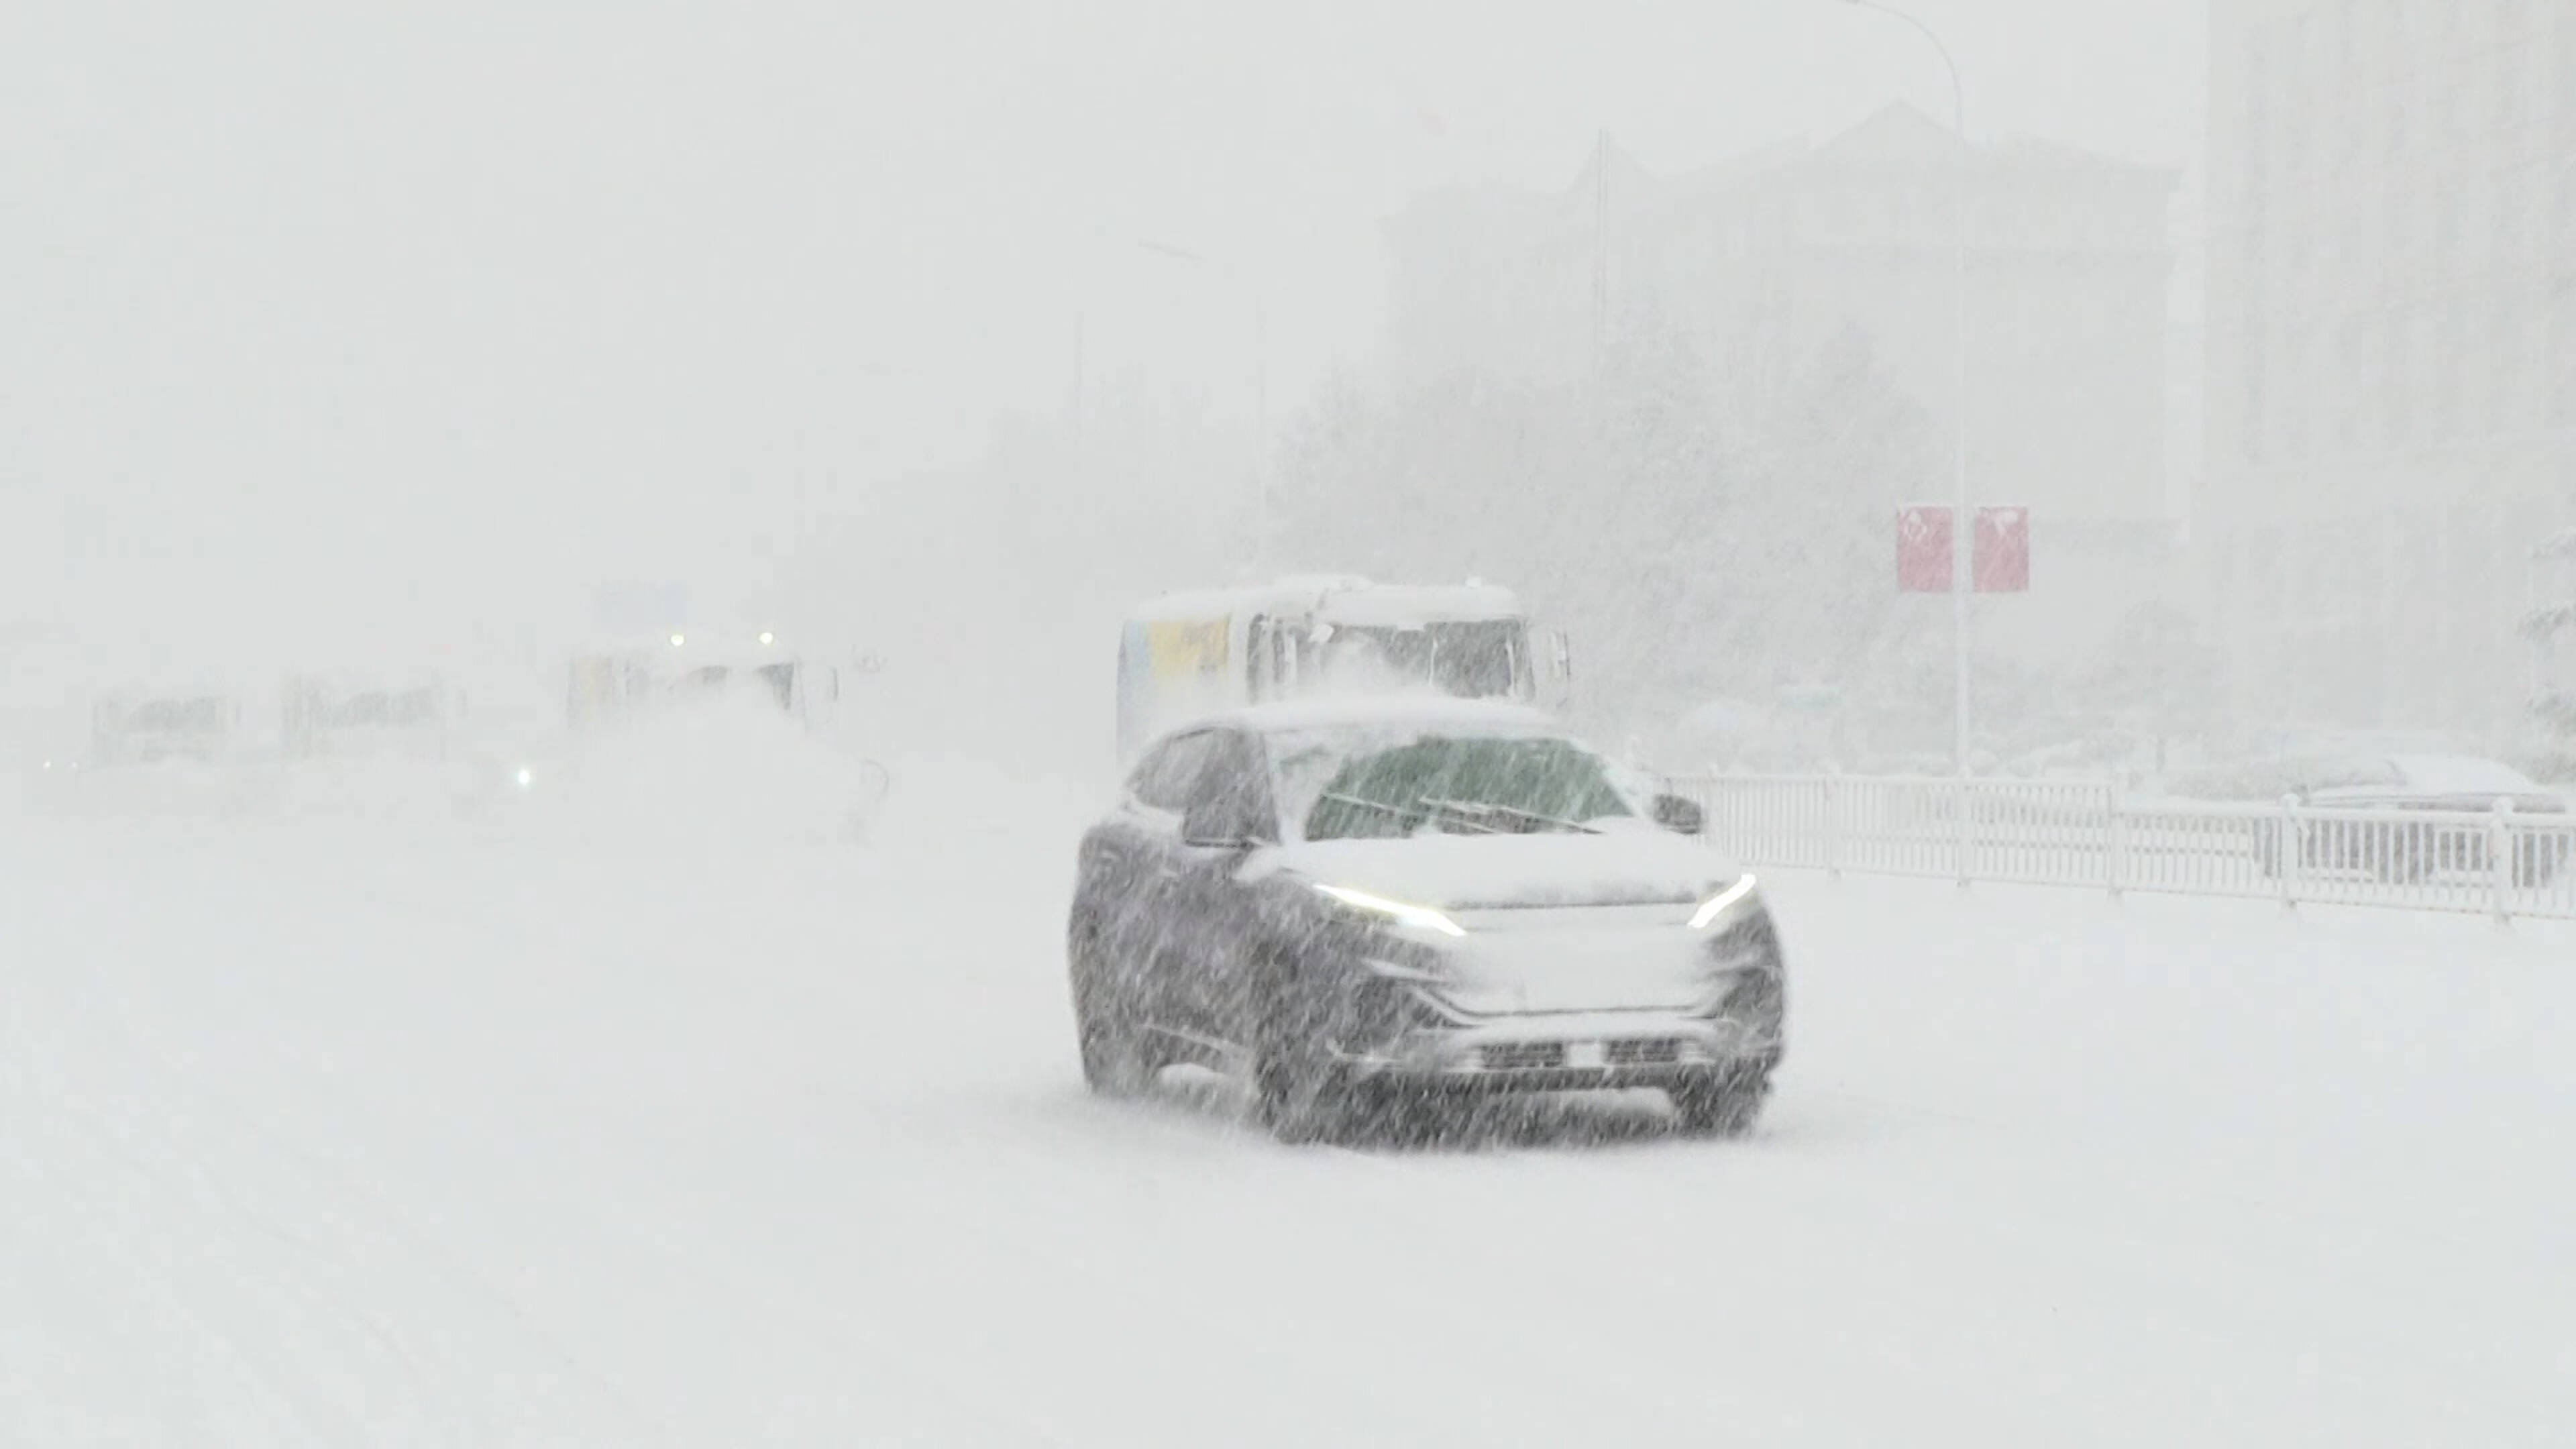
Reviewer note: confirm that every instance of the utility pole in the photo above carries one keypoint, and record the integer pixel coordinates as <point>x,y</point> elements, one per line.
<point>1075,405</point>
<point>1963,523</point>
<point>1600,249</point>
<point>1261,414</point>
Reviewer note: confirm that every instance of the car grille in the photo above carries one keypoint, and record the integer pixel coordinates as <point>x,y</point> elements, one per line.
<point>1652,1053</point>
<point>1547,1056</point>
<point>1526,1056</point>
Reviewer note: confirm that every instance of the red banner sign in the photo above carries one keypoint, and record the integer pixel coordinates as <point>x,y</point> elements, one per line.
<point>2000,553</point>
<point>2002,562</point>
<point>1923,549</point>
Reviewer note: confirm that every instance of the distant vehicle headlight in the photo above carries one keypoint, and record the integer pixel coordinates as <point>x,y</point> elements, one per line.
<point>526,777</point>
<point>1718,905</point>
<point>1401,912</point>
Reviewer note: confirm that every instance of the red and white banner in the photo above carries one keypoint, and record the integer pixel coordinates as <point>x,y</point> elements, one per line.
<point>1923,549</point>
<point>2002,561</point>
<point>1999,560</point>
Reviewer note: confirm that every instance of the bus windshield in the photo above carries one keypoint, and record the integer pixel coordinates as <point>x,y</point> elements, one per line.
<point>1477,659</point>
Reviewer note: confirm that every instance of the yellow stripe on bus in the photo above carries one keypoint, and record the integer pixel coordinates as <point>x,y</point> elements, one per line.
<point>1178,648</point>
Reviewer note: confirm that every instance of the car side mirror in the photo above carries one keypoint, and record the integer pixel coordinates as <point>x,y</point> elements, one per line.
<point>1682,817</point>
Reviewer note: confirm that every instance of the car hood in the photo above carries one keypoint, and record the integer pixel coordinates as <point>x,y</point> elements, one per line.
<point>1623,865</point>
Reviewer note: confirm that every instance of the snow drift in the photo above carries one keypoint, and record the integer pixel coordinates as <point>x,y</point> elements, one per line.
<point>730,771</point>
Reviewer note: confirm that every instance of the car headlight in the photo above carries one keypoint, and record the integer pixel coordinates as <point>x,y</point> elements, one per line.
<point>1718,905</point>
<point>1401,912</point>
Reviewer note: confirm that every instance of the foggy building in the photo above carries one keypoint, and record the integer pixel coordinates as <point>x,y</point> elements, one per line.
<point>2391,373</point>
<point>1769,256</point>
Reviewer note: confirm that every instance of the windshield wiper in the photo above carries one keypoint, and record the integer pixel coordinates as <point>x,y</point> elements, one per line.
<point>1418,810</point>
<point>1400,812</point>
<point>1470,809</point>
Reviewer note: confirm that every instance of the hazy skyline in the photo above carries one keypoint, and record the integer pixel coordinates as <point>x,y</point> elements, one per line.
<point>439,303</point>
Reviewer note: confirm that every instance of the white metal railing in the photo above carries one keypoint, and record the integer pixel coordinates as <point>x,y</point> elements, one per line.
<point>2089,834</point>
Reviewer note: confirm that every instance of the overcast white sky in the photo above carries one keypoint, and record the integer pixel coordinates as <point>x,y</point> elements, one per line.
<point>408,303</point>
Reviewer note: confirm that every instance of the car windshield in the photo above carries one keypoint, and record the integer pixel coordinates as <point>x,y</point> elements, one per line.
<point>1472,784</point>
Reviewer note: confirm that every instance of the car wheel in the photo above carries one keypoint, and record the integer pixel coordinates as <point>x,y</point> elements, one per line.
<point>1299,1094</point>
<point>1114,1060</point>
<point>1402,1116</point>
<point>1719,1104</point>
<point>1112,1064</point>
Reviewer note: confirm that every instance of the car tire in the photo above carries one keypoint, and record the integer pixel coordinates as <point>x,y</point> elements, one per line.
<point>1114,1060</point>
<point>1112,1063</point>
<point>1300,1097</point>
<point>1720,1104</point>
<point>1401,1116</point>
<point>1299,1094</point>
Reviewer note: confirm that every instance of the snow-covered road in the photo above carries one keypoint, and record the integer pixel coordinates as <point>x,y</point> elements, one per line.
<point>356,1135</point>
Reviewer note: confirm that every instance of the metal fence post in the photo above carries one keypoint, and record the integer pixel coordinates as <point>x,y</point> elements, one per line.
<point>2119,843</point>
<point>2286,851</point>
<point>2500,858</point>
<point>1966,859</point>
<point>2018,832</point>
<point>1833,827</point>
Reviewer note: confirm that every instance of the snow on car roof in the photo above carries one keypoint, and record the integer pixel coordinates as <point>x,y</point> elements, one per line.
<point>372,676</point>
<point>199,685</point>
<point>2460,774</point>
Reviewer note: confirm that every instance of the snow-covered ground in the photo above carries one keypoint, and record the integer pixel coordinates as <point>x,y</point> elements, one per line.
<point>499,1133</point>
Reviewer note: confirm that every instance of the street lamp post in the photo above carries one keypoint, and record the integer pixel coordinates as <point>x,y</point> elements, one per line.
<point>1963,523</point>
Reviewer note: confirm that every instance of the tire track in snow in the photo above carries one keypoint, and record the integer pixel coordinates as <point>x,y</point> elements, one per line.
<point>62,1159</point>
<point>351,1323</point>
<point>895,1359</point>
<point>1216,1278</point>
<point>1412,1195</point>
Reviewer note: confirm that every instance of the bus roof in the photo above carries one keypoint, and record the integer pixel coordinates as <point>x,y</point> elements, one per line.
<point>1339,600</point>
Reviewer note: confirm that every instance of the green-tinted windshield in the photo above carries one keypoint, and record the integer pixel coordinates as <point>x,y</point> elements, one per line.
<point>1475,785</point>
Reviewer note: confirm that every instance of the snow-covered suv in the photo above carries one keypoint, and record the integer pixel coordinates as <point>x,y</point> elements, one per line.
<point>1355,906</point>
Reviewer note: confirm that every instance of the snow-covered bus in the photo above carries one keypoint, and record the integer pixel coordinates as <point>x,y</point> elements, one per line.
<point>612,680</point>
<point>1185,655</point>
<point>368,712</point>
<point>199,721</point>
